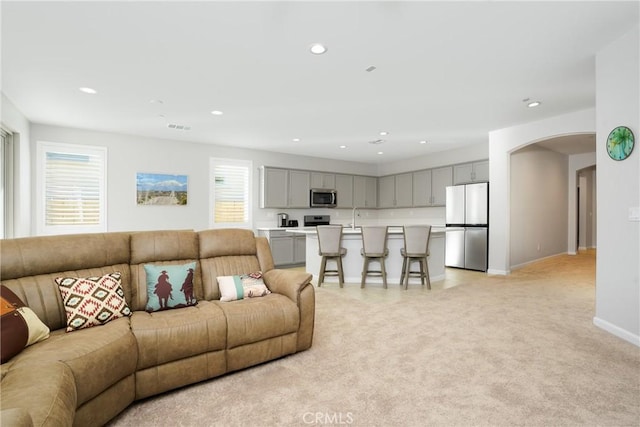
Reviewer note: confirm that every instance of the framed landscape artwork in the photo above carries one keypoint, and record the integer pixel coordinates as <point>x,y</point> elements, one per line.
<point>161,189</point>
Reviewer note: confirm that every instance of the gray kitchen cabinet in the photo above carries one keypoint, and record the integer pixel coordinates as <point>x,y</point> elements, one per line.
<point>386,191</point>
<point>365,192</point>
<point>323,180</point>
<point>395,191</point>
<point>441,178</point>
<point>429,186</point>
<point>422,188</point>
<point>344,187</point>
<point>287,249</point>
<point>298,189</point>
<point>299,249</point>
<point>471,172</point>
<point>284,188</point>
<point>404,190</point>
<point>273,187</point>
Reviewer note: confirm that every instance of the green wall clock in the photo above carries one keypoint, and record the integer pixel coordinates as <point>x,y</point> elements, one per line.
<point>620,143</point>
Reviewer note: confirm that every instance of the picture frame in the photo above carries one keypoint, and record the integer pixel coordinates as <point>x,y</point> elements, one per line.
<point>161,189</point>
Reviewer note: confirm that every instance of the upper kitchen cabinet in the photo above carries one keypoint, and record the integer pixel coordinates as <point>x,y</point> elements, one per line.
<point>422,188</point>
<point>344,188</point>
<point>298,189</point>
<point>365,192</point>
<point>395,191</point>
<point>323,180</point>
<point>441,178</point>
<point>429,186</point>
<point>283,188</point>
<point>471,172</point>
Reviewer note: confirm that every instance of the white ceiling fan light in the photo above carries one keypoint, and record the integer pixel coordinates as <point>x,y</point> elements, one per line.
<point>318,49</point>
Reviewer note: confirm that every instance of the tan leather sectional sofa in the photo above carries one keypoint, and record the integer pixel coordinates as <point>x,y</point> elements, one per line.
<point>86,377</point>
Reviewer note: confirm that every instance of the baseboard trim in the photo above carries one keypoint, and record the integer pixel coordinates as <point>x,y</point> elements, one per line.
<point>374,280</point>
<point>515,267</point>
<point>617,331</point>
<point>497,272</point>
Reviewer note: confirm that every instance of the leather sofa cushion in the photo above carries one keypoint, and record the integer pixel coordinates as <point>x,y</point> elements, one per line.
<point>170,335</point>
<point>41,294</point>
<point>31,256</point>
<point>257,319</point>
<point>98,357</point>
<point>38,394</point>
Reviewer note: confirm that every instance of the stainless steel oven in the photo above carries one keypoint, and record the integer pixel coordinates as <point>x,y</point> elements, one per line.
<point>323,198</point>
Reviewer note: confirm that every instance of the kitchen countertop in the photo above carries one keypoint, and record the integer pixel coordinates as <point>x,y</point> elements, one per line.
<point>435,229</point>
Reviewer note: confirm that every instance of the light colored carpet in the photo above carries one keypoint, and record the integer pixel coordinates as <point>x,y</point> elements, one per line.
<point>476,350</point>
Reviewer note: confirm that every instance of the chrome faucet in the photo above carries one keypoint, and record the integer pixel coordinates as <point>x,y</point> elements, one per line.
<point>353,217</point>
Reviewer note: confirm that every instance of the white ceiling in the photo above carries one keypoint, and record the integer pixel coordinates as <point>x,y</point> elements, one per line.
<point>447,72</point>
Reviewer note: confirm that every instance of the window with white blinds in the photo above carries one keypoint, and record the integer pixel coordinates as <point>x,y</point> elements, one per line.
<point>231,193</point>
<point>71,188</point>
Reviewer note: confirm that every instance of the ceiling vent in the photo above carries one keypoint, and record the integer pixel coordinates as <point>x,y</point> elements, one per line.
<point>178,127</point>
<point>377,142</point>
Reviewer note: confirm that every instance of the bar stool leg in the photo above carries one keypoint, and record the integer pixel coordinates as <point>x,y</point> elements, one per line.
<point>383,272</point>
<point>404,266</point>
<point>323,266</point>
<point>340,273</point>
<point>407,272</point>
<point>421,262</point>
<point>426,268</point>
<point>365,268</point>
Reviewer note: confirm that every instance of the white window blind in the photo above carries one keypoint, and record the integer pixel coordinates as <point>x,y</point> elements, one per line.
<point>72,188</point>
<point>231,192</point>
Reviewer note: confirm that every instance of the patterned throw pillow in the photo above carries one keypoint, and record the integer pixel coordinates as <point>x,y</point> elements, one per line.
<point>169,286</point>
<point>92,301</point>
<point>245,286</point>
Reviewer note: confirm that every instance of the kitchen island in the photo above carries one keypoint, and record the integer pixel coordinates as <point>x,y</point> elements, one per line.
<point>352,261</point>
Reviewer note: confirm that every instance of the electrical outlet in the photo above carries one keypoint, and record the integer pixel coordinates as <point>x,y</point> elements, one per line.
<point>538,247</point>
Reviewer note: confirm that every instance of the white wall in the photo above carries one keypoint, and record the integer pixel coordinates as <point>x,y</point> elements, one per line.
<point>128,155</point>
<point>618,183</point>
<point>502,143</point>
<point>13,120</point>
<point>470,153</point>
<point>538,204</point>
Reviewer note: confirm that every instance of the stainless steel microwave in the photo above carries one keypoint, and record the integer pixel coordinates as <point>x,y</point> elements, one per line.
<point>323,198</point>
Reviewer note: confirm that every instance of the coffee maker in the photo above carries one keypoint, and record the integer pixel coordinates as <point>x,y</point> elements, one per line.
<point>283,219</point>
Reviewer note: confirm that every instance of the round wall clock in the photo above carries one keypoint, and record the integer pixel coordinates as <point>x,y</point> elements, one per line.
<point>620,143</point>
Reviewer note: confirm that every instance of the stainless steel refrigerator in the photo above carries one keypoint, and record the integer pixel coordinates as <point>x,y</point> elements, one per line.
<point>467,221</point>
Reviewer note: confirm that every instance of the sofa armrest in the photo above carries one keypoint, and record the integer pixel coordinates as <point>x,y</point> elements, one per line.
<point>296,285</point>
<point>287,282</point>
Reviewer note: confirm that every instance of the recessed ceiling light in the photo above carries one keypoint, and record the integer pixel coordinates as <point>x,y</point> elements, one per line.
<point>317,48</point>
<point>380,152</point>
<point>384,133</point>
<point>156,101</point>
<point>217,113</point>
<point>296,139</point>
<point>423,141</point>
<point>343,146</point>
<point>533,104</point>
<point>88,90</point>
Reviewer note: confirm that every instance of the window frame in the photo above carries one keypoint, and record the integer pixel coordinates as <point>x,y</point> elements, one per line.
<point>44,147</point>
<point>248,164</point>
